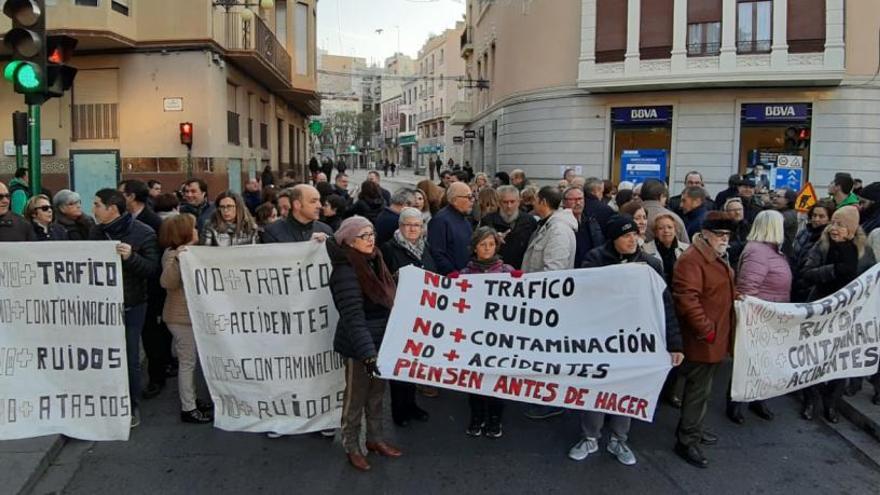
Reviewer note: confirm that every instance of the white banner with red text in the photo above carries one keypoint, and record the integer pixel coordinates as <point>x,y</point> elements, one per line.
<point>781,348</point>
<point>63,367</point>
<point>580,339</point>
<point>264,322</point>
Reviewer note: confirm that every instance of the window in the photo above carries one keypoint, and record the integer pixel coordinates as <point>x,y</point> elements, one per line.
<point>281,21</point>
<point>232,131</point>
<point>264,125</point>
<point>302,38</point>
<point>611,32</point>
<point>95,105</point>
<point>754,29</point>
<point>704,38</point>
<point>86,3</point>
<point>441,56</point>
<point>120,6</point>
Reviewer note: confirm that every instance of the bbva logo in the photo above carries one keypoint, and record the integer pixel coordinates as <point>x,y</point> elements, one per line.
<point>643,113</point>
<point>779,111</point>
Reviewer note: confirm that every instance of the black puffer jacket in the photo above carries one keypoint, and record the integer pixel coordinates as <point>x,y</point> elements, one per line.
<point>362,322</point>
<point>397,257</point>
<point>79,229</point>
<point>606,255</point>
<point>367,209</point>
<point>829,265</point>
<point>54,232</point>
<point>143,263</point>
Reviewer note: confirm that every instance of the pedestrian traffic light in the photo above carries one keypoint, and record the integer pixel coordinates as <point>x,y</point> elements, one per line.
<point>27,40</point>
<point>59,75</point>
<point>186,134</point>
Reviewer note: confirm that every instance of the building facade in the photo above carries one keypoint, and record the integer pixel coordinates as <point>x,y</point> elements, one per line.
<point>439,64</point>
<point>662,87</point>
<point>397,69</point>
<point>245,80</point>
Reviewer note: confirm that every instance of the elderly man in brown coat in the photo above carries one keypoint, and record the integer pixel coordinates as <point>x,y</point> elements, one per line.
<point>703,288</point>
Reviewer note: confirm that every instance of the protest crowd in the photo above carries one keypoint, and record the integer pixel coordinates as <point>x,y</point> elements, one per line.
<point>746,241</point>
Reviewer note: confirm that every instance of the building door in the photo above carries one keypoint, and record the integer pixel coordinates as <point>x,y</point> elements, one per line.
<point>233,169</point>
<point>91,171</point>
<point>641,143</point>
<point>252,168</point>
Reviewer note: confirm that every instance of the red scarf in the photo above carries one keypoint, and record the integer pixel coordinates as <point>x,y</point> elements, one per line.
<point>377,284</point>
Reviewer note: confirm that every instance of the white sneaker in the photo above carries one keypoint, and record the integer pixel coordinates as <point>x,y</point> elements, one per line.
<point>619,449</point>
<point>272,434</point>
<point>135,417</point>
<point>583,448</point>
<point>328,433</point>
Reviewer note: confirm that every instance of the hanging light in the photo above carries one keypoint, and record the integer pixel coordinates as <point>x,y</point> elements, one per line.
<point>247,15</point>
<point>267,4</point>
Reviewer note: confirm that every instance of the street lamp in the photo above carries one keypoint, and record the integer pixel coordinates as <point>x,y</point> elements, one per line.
<point>228,4</point>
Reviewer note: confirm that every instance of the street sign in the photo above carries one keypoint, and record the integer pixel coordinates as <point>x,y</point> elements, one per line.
<point>806,198</point>
<point>172,104</point>
<point>470,134</point>
<point>790,161</point>
<point>457,139</point>
<point>788,178</point>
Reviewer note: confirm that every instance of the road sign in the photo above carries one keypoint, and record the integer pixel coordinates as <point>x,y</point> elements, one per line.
<point>788,178</point>
<point>470,134</point>
<point>806,198</point>
<point>790,161</point>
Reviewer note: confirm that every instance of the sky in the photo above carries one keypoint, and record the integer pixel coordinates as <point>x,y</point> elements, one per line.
<point>348,27</point>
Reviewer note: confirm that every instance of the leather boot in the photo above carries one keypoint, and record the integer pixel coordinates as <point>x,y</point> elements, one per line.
<point>358,461</point>
<point>809,411</point>
<point>734,413</point>
<point>383,449</point>
<point>761,410</point>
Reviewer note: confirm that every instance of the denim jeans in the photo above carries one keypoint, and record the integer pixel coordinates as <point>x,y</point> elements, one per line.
<point>134,324</point>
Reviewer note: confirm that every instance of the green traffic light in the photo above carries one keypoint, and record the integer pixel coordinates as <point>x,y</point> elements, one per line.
<point>9,71</point>
<point>26,77</point>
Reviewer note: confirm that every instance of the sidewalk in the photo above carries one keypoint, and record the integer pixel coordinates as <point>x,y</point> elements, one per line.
<point>23,462</point>
<point>859,410</point>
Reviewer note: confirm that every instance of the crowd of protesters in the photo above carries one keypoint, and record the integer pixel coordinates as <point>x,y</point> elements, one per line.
<point>748,241</point>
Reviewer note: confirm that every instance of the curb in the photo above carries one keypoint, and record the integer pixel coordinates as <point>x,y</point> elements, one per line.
<point>30,473</point>
<point>859,410</point>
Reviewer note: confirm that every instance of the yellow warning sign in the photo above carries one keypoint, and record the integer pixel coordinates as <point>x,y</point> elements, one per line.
<point>806,198</point>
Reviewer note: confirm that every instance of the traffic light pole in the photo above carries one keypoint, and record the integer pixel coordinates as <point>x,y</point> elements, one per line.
<point>19,157</point>
<point>34,172</point>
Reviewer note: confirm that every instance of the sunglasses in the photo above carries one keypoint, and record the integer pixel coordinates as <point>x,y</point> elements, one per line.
<point>4,196</point>
<point>43,208</point>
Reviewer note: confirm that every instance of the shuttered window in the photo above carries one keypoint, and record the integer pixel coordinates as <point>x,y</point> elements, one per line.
<point>806,26</point>
<point>655,36</point>
<point>610,30</point>
<point>95,108</point>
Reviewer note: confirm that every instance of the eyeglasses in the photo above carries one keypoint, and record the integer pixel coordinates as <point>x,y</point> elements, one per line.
<point>721,233</point>
<point>366,236</point>
<point>44,208</point>
<point>4,196</point>
<point>469,197</point>
<point>226,207</point>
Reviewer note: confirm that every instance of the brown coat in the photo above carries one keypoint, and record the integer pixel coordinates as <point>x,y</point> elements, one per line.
<point>703,289</point>
<point>175,310</point>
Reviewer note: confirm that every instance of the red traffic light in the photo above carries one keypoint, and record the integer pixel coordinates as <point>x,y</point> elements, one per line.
<point>186,133</point>
<point>804,134</point>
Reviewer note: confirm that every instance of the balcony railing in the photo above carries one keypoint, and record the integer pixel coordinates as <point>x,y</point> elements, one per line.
<point>256,36</point>
<point>703,49</point>
<point>753,46</point>
<point>467,41</point>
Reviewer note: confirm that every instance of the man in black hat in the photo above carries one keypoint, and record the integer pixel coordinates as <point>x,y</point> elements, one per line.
<point>751,206</point>
<point>869,205</point>
<point>622,247</point>
<point>730,192</point>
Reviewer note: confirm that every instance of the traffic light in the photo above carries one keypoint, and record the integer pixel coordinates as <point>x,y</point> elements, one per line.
<point>59,75</point>
<point>20,128</point>
<point>186,134</point>
<point>27,40</point>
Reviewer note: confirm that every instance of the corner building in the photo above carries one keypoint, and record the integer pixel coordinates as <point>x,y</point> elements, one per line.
<point>245,80</point>
<point>628,89</point>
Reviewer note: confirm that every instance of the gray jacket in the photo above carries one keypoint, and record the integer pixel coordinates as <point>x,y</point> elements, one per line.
<point>553,246</point>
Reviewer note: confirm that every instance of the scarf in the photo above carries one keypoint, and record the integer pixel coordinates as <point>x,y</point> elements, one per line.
<point>416,250</point>
<point>373,276</point>
<point>491,265</point>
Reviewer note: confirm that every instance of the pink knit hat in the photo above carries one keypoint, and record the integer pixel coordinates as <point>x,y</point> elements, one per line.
<point>350,228</point>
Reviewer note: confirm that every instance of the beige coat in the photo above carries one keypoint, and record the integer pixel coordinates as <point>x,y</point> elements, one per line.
<point>175,310</point>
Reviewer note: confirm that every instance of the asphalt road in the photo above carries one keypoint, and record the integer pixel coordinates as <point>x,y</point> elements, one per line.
<point>166,456</point>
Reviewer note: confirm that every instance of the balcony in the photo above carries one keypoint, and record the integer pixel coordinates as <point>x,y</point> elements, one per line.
<point>461,113</point>
<point>467,42</point>
<point>254,46</point>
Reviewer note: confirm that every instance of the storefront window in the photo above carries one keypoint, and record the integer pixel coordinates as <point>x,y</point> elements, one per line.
<point>641,144</point>
<point>776,136</point>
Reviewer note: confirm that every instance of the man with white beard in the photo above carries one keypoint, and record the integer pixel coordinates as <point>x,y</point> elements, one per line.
<point>703,289</point>
<point>514,227</point>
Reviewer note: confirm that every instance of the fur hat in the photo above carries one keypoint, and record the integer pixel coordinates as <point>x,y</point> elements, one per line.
<point>718,220</point>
